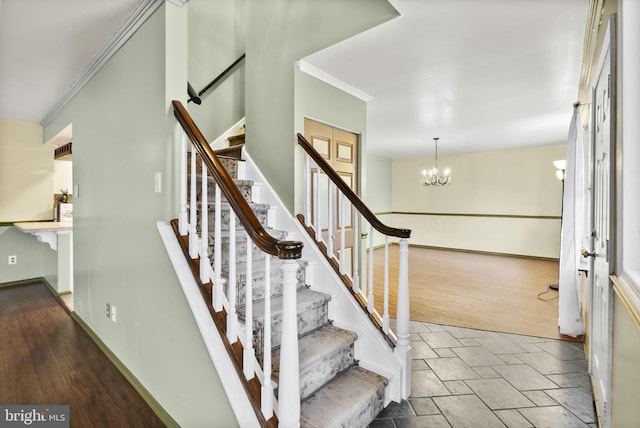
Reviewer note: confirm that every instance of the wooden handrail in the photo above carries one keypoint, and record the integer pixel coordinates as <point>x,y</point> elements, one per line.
<point>350,194</point>
<point>264,241</point>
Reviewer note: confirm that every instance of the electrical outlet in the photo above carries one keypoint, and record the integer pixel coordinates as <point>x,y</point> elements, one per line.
<point>13,260</point>
<point>113,313</point>
<point>109,310</point>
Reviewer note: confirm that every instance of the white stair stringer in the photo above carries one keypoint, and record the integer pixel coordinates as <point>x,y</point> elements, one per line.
<point>371,349</point>
<point>218,353</point>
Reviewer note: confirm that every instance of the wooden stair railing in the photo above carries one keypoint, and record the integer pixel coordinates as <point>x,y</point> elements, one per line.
<point>262,239</point>
<point>223,308</point>
<point>310,221</point>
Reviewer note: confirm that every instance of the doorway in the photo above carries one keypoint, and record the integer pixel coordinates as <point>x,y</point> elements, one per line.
<point>340,149</point>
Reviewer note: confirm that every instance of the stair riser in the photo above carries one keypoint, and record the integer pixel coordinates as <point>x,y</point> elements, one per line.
<point>260,210</point>
<point>308,320</point>
<point>259,283</point>
<point>318,375</point>
<point>243,185</point>
<point>241,252</point>
<point>231,165</point>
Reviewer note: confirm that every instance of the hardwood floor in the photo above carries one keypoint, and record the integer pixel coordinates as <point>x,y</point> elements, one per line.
<point>481,291</point>
<point>46,358</point>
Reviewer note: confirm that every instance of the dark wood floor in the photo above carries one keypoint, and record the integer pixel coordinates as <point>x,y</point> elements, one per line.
<point>47,359</point>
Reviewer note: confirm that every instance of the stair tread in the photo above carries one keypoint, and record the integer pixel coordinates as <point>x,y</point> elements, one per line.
<point>306,298</point>
<point>323,354</point>
<point>354,398</point>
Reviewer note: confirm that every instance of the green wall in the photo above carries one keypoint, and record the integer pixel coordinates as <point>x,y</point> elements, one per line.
<point>123,130</point>
<point>216,40</point>
<point>35,259</point>
<point>280,32</point>
<point>319,101</point>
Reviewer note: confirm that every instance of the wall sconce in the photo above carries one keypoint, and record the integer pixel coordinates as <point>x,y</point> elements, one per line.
<point>561,166</point>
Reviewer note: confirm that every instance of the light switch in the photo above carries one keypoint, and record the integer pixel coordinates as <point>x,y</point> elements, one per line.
<point>157,182</point>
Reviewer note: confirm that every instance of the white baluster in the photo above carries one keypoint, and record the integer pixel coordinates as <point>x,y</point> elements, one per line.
<point>403,350</point>
<point>370,306</point>
<point>316,204</point>
<point>232,316</point>
<point>193,209</point>
<point>330,220</point>
<point>248,324</point>
<point>341,222</point>
<point>356,253</point>
<point>205,263</point>
<point>289,389</point>
<point>267,388</point>
<point>217,251</point>
<point>385,316</point>
<point>183,222</point>
<point>307,186</point>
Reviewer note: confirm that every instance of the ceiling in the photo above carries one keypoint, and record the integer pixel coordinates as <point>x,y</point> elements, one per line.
<point>479,74</point>
<point>46,44</point>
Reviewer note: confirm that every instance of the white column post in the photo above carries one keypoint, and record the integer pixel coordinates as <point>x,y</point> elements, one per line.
<point>183,221</point>
<point>289,390</point>
<point>193,208</point>
<point>205,263</point>
<point>403,350</point>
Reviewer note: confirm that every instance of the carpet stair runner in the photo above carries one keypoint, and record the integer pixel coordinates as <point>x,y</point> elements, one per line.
<point>335,391</point>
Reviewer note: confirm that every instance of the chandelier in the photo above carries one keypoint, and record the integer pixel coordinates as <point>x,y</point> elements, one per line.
<point>433,176</point>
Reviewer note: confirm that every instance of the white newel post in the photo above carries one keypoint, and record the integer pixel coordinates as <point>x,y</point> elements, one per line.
<point>182,214</point>
<point>403,350</point>
<point>289,389</point>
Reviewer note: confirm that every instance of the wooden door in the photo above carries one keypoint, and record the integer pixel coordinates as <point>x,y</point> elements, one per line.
<point>340,149</point>
<point>603,235</point>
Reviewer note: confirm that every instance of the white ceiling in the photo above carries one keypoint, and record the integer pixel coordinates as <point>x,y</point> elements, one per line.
<point>46,44</point>
<point>479,74</point>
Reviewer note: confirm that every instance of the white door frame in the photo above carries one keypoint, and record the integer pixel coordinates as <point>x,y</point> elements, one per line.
<point>604,219</point>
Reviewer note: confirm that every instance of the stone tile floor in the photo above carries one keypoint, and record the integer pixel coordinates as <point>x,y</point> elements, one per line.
<point>475,378</point>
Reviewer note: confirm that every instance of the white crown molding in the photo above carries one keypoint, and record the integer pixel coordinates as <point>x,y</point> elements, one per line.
<point>178,3</point>
<point>333,81</point>
<point>131,25</point>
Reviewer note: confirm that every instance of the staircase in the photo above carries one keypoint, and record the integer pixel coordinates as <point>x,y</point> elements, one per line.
<point>263,305</point>
<point>334,390</point>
